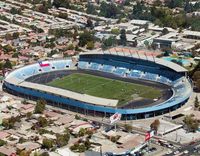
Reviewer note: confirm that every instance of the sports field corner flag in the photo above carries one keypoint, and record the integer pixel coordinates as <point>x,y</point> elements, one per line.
<point>114,118</point>
<point>44,63</point>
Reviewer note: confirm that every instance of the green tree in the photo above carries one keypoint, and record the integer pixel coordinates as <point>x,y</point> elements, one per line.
<point>196,75</point>
<point>9,123</point>
<point>89,23</point>
<point>85,37</point>
<point>81,132</point>
<point>7,64</point>
<point>128,127</point>
<point>91,9</point>
<point>16,35</point>
<point>109,42</point>
<point>196,102</point>
<point>47,143</point>
<point>191,123</point>
<point>109,10</point>
<point>90,45</point>
<point>123,39</point>
<point>44,154</point>
<point>42,121</point>
<point>115,31</point>
<point>165,31</point>
<point>62,3</point>
<point>15,11</point>
<point>40,106</point>
<point>8,48</point>
<point>62,139</point>
<point>24,153</point>
<point>188,7</point>
<point>2,142</point>
<point>87,144</point>
<point>70,47</point>
<point>82,148</point>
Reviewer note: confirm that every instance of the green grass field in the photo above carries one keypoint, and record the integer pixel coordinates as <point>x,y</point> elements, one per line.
<point>105,88</point>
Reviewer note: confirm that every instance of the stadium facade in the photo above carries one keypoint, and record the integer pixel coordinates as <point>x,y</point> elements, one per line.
<point>119,64</point>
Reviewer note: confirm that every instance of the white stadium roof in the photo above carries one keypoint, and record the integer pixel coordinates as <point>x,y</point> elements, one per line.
<point>159,61</point>
<point>65,93</point>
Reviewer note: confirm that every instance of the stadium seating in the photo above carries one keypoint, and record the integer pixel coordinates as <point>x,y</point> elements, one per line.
<point>120,71</point>
<point>82,64</point>
<point>94,66</point>
<point>135,74</point>
<point>150,76</point>
<point>107,68</point>
<point>33,69</point>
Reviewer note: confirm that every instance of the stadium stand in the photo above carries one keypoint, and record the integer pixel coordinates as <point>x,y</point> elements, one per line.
<point>123,66</point>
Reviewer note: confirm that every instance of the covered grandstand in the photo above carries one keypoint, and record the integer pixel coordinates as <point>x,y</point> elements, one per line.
<point>120,65</point>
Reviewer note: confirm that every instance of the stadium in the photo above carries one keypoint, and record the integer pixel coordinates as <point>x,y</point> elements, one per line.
<point>103,83</point>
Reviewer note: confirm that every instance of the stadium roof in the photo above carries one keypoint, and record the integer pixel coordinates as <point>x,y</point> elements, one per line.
<point>65,93</point>
<point>145,56</point>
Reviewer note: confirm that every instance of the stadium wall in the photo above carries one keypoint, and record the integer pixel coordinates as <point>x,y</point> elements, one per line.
<point>89,109</point>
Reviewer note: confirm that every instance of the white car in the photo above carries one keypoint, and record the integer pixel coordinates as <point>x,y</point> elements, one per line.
<point>186,152</point>
<point>176,152</point>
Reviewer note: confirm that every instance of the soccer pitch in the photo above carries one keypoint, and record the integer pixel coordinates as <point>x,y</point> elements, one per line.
<point>105,87</point>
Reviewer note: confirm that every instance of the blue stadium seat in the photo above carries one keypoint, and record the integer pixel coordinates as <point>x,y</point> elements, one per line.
<point>120,71</point>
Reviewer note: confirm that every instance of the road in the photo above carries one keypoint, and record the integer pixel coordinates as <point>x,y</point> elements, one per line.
<point>190,148</point>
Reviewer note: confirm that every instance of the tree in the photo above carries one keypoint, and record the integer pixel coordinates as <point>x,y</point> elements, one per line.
<point>47,143</point>
<point>7,64</point>
<point>89,23</point>
<point>109,42</point>
<point>109,10</point>
<point>91,9</point>
<point>196,103</point>
<point>90,45</point>
<point>24,153</point>
<point>15,11</point>
<point>42,121</point>
<point>175,3</point>
<point>123,39</point>
<point>62,139</point>
<point>197,84</point>
<point>115,31</point>
<point>16,35</point>
<point>8,48</point>
<point>135,43</point>
<point>2,142</point>
<point>61,3</point>
<point>87,144</point>
<point>191,123</point>
<point>128,128</point>
<point>9,123</point>
<point>63,15</point>
<point>196,76</point>
<point>44,154</point>
<point>70,47</point>
<point>155,125</point>
<point>157,3</point>
<point>188,7</point>
<point>82,148</point>
<point>165,31</point>
<point>40,106</point>
<point>85,37</point>
<point>81,132</point>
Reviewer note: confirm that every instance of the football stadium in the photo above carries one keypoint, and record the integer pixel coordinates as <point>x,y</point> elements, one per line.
<point>104,83</point>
